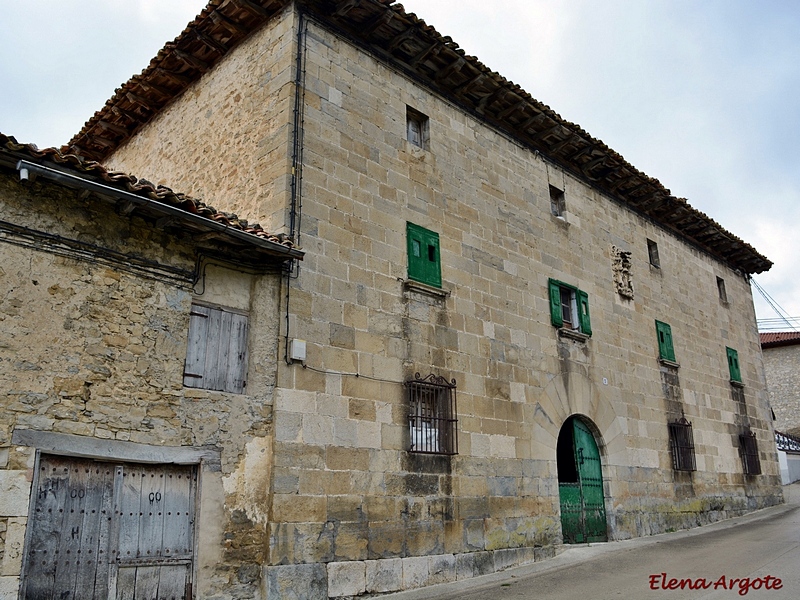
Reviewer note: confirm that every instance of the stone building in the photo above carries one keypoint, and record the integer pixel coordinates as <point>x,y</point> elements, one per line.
<point>104,280</point>
<point>782,367</point>
<point>502,335</point>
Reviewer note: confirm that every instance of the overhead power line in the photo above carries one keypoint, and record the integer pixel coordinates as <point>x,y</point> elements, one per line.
<point>783,321</point>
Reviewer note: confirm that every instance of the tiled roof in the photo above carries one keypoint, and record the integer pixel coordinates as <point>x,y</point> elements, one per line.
<point>779,338</point>
<point>436,61</point>
<point>12,151</point>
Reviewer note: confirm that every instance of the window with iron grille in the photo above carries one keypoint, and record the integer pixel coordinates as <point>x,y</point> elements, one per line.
<point>748,448</point>
<point>681,443</point>
<point>432,416</point>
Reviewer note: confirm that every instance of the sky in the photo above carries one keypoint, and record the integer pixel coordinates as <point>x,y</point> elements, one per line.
<point>702,95</point>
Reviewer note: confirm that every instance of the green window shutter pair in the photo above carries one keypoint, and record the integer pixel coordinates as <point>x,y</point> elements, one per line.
<point>664,335</point>
<point>733,364</point>
<point>582,301</point>
<point>424,261</point>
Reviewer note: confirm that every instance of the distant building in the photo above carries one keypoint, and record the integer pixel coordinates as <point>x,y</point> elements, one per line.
<point>502,336</point>
<point>782,368</point>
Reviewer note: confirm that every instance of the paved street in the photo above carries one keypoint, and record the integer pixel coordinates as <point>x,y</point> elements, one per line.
<point>759,549</point>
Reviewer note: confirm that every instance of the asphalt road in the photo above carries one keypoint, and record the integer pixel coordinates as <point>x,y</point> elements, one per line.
<point>756,551</point>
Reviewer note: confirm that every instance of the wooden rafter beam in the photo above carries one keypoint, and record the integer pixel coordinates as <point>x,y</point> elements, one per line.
<point>431,51</point>
<point>181,80</point>
<point>192,60</point>
<point>518,106</point>
<point>373,24</point>
<point>225,22</point>
<point>443,74</point>
<point>489,99</point>
<point>113,128</point>
<point>215,45</point>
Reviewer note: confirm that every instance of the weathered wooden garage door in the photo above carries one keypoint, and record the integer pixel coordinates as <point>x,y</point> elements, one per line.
<point>103,530</point>
<point>580,485</point>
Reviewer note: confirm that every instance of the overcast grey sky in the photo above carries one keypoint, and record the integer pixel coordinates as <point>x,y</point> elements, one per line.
<point>701,95</point>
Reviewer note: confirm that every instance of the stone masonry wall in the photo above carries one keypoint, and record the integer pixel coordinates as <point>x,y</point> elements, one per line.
<point>93,350</point>
<point>349,503</point>
<point>782,367</point>
<point>227,138</point>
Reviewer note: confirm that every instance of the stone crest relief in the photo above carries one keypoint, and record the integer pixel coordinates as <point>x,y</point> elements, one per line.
<point>621,265</point>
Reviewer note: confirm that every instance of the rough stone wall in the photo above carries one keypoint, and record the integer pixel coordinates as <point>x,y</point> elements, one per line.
<point>782,367</point>
<point>226,139</point>
<point>91,349</point>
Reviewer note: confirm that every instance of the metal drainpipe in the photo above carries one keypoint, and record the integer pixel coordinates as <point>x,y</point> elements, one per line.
<point>296,204</point>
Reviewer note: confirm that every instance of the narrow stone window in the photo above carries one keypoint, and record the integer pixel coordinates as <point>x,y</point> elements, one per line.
<point>417,128</point>
<point>558,204</point>
<point>748,448</point>
<point>652,252</point>
<point>432,416</point>
<point>723,295</point>
<point>681,443</point>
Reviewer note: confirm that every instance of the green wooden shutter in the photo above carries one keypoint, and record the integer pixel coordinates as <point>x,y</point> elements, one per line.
<point>424,260</point>
<point>664,335</point>
<point>583,310</point>
<point>733,364</point>
<point>555,303</point>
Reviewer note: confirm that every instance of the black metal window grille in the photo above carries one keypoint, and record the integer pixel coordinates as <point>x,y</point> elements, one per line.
<point>681,443</point>
<point>748,448</point>
<point>432,416</point>
<point>787,442</point>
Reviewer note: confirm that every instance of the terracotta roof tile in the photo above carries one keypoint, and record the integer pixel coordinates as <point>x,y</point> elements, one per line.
<point>779,338</point>
<point>140,187</point>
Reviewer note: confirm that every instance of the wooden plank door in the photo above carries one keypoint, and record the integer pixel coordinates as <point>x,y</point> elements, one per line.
<point>67,553</point>
<point>155,524</point>
<point>100,530</point>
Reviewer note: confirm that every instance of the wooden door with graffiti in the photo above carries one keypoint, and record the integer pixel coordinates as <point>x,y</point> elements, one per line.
<point>580,485</point>
<point>103,530</point>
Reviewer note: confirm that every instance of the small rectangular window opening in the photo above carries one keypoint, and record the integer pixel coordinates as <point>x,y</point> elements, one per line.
<point>417,128</point>
<point>558,204</point>
<point>681,443</point>
<point>723,295</point>
<point>432,416</point>
<point>652,252</point>
<point>748,448</point>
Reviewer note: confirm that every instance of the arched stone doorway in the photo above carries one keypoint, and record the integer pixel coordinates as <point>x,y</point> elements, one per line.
<point>580,484</point>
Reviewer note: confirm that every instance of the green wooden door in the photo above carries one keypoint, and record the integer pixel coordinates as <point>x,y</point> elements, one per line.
<point>583,513</point>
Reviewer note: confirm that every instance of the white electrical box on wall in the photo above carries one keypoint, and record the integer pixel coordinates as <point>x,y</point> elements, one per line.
<point>297,350</point>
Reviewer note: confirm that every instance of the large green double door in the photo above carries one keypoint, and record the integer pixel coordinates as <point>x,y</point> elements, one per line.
<point>580,485</point>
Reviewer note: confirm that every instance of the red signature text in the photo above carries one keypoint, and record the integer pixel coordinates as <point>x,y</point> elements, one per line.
<point>742,584</point>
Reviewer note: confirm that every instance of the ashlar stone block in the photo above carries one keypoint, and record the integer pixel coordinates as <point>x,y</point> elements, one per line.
<point>14,493</point>
<point>346,578</point>
<point>384,575</point>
